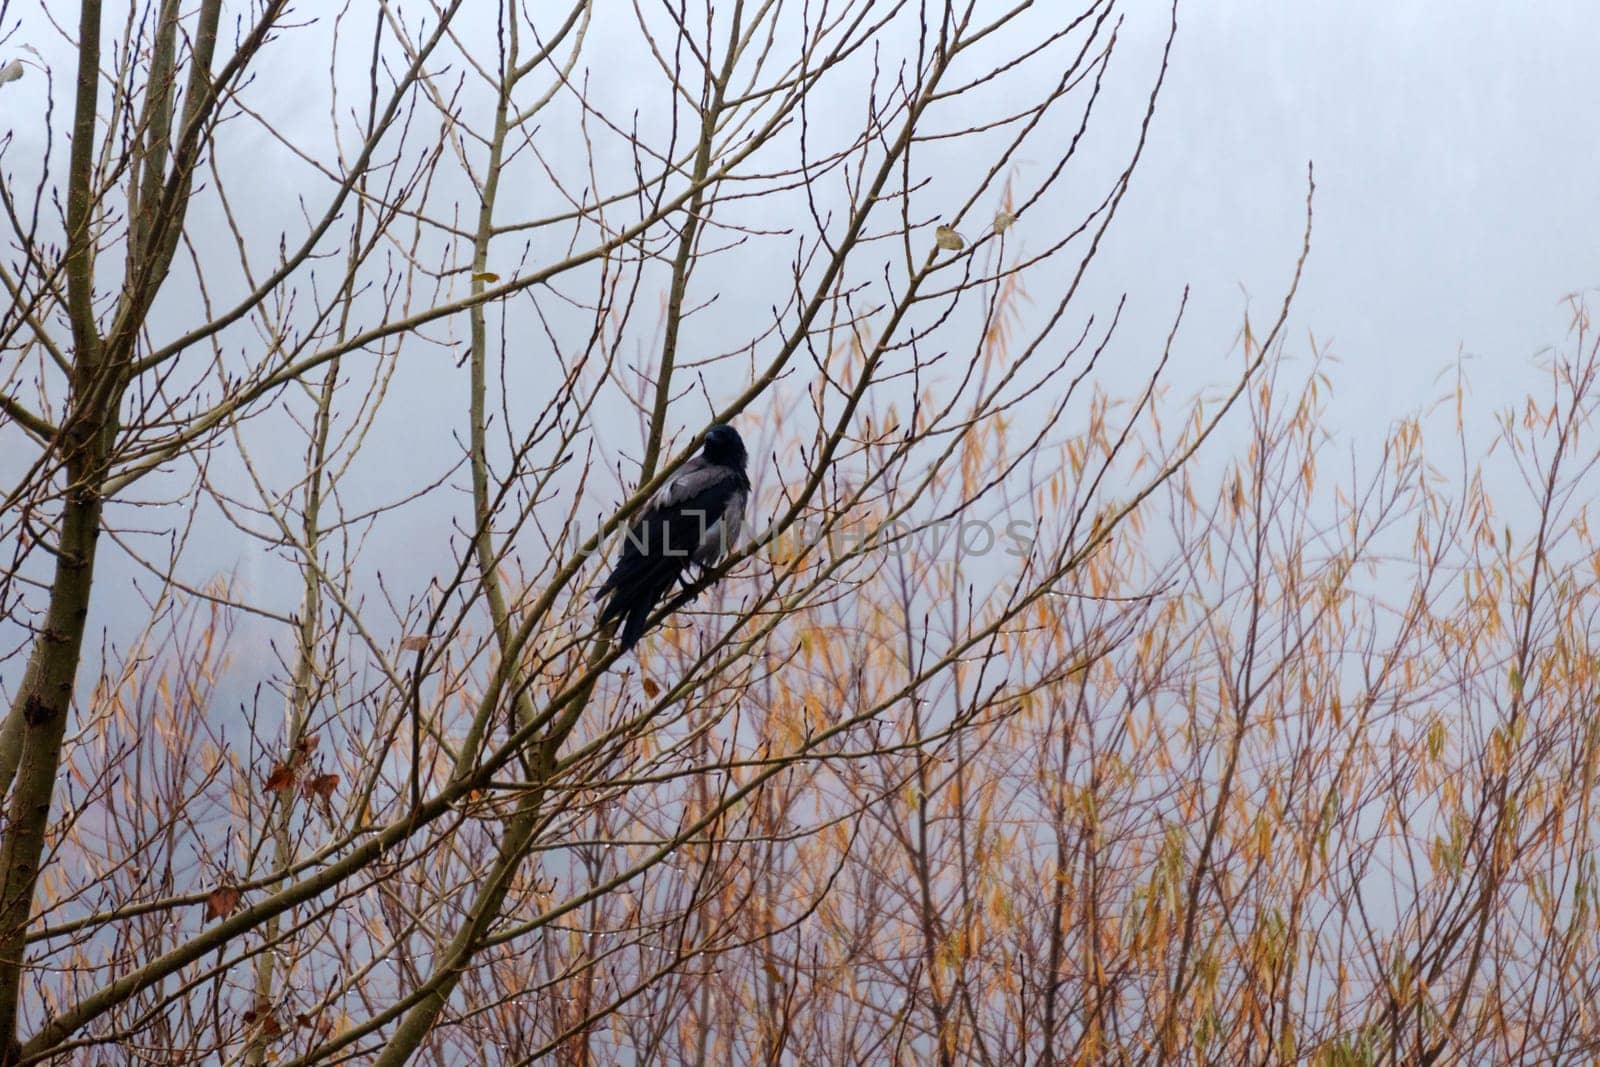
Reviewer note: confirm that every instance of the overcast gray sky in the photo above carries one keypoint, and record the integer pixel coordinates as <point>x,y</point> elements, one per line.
<point>1456,162</point>
<point>1458,183</point>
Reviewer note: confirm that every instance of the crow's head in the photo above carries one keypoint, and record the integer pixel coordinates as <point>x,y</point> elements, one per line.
<point>724,446</point>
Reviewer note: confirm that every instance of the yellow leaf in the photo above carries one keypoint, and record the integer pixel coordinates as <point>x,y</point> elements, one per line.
<point>488,277</point>
<point>947,238</point>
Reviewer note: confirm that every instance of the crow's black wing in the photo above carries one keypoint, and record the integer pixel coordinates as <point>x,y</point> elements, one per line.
<point>688,520</point>
<point>677,520</point>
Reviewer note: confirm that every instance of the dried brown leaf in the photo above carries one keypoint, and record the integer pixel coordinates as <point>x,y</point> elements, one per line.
<point>414,643</point>
<point>652,689</point>
<point>319,786</point>
<point>281,778</point>
<point>222,901</point>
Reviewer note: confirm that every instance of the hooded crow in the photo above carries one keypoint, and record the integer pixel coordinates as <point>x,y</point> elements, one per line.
<point>692,519</point>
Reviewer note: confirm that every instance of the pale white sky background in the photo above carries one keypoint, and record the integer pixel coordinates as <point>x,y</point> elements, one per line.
<point>1457,162</point>
<point>1458,184</point>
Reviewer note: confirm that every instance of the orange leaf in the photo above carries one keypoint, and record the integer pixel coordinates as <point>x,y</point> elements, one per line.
<point>651,689</point>
<point>221,902</point>
<point>281,778</point>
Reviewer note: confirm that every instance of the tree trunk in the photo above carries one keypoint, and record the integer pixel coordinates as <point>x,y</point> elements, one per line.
<point>38,720</point>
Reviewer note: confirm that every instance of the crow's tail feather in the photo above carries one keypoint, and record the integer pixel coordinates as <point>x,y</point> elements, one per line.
<point>633,603</point>
<point>633,629</point>
<point>613,607</point>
